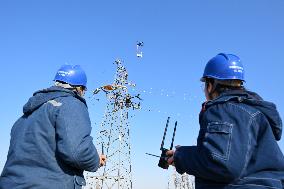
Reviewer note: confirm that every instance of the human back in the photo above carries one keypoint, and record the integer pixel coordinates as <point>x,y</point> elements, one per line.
<point>237,142</point>
<point>50,144</point>
<point>240,136</point>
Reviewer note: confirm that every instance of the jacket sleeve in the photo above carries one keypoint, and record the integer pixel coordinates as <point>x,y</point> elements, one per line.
<point>223,149</point>
<point>74,143</point>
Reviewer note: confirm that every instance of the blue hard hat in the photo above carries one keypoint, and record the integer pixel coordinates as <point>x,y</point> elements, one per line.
<point>224,67</point>
<point>73,75</point>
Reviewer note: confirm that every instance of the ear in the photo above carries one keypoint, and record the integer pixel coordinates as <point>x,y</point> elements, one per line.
<point>209,87</point>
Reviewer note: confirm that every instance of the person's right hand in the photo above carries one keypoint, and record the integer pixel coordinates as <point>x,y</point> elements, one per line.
<point>102,160</point>
<point>170,155</point>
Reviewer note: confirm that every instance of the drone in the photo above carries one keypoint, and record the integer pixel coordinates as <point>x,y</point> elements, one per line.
<point>139,52</point>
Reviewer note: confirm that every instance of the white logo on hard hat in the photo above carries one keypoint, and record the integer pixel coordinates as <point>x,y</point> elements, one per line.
<point>64,73</point>
<point>237,68</point>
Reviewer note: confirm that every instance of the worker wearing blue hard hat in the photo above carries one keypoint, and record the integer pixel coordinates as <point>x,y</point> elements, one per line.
<point>74,76</point>
<point>237,143</point>
<point>224,70</point>
<point>50,143</point>
<point>224,67</point>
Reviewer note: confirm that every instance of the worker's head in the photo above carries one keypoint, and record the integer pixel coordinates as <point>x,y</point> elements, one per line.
<point>223,72</point>
<point>72,77</point>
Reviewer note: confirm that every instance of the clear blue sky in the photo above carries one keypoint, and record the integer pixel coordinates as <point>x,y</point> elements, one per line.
<point>36,37</point>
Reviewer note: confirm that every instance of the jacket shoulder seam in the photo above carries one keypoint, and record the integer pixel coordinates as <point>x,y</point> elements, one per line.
<point>252,114</point>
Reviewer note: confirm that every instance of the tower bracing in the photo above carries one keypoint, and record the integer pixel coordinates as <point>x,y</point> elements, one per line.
<point>114,134</point>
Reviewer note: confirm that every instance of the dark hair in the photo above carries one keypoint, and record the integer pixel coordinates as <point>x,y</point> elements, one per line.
<point>220,87</point>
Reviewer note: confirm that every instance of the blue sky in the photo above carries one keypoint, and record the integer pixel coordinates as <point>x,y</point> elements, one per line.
<point>37,37</point>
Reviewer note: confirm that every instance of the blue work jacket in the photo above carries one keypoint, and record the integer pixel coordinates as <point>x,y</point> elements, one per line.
<point>237,145</point>
<point>50,144</point>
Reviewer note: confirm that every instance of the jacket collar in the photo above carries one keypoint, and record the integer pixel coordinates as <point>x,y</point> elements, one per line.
<point>233,95</point>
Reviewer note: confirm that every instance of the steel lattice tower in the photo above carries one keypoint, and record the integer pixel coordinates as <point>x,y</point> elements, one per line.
<point>183,181</point>
<point>114,136</point>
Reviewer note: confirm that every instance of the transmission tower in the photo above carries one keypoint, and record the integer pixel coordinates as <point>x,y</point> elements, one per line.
<point>114,135</point>
<point>183,181</point>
